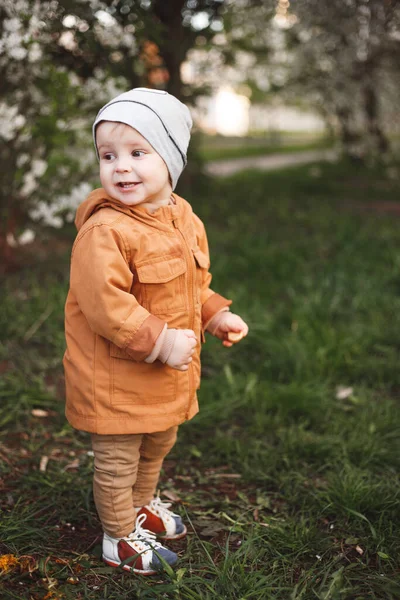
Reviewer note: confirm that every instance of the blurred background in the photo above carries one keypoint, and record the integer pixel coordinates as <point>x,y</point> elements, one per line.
<point>260,76</point>
<point>289,476</point>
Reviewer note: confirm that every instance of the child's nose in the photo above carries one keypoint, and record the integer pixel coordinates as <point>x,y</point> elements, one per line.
<point>123,165</point>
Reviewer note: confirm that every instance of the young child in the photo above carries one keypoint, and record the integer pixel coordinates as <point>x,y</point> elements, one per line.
<point>137,309</point>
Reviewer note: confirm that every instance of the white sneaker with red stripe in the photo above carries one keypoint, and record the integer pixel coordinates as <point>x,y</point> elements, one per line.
<point>140,549</point>
<point>161,521</point>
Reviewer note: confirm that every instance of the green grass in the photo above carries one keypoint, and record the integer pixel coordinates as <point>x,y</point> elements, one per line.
<point>224,148</point>
<point>291,492</point>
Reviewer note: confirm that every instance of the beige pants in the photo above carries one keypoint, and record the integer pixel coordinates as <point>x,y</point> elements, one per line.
<point>126,473</point>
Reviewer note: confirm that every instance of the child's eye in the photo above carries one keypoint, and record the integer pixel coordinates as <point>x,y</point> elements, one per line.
<point>137,153</point>
<point>108,156</point>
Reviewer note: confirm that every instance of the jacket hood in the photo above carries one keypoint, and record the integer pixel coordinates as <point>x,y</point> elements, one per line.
<point>100,199</point>
<point>96,200</point>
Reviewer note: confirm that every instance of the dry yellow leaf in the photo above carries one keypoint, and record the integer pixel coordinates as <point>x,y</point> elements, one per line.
<point>8,562</point>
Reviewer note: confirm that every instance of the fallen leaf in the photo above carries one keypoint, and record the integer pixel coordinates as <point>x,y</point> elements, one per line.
<point>8,562</point>
<point>343,392</point>
<point>28,563</point>
<point>359,550</point>
<point>61,561</point>
<point>53,595</point>
<point>72,465</point>
<point>171,496</point>
<point>43,463</point>
<point>39,412</point>
<point>51,582</point>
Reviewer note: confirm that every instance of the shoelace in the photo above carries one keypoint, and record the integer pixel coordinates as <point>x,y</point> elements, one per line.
<point>162,508</point>
<point>144,535</point>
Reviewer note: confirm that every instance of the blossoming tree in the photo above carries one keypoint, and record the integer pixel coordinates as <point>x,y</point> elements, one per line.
<point>60,60</point>
<point>56,67</point>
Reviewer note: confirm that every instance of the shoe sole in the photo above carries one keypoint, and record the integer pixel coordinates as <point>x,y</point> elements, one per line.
<point>111,563</point>
<point>178,536</point>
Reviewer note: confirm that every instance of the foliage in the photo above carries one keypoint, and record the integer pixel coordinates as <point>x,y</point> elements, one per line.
<point>59,62</point>
<point>339,58</point>
<point>288,477</point>
<point>343,58</point>
<point>44,106</point>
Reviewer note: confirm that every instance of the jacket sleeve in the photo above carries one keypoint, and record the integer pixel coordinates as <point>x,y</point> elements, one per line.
<point>101,282</point>
<point>211,302</point>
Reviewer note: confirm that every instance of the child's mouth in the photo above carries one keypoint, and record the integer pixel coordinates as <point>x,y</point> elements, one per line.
<point>127,185</point>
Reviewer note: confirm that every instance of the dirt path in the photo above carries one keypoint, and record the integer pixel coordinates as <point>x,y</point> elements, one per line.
<point>223,168</point>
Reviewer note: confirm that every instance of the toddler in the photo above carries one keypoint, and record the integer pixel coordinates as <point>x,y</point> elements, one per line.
<point>138,306</point>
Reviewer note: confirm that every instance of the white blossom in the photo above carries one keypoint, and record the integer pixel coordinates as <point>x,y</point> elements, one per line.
<point>26,237</point>
<point>54,221</point>
<point>35,53</point>
<point>10,121</point>
<point>11,24</point>
<point>18,53</point>
<point>25,61</point>
<point>29,184</point>
<point>19,6</point>
<point>67,40</point>
<point>39,167</point>
<point>22,159</point>
<point>67,204</point>
<point>19,121</point>
<point>128,40</point>
<point>74,79</point>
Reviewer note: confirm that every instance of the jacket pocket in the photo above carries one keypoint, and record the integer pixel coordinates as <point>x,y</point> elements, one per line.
<point>163,284</point>
<point>202,264</point>
<point>138,382</point>
<point>201,259</point>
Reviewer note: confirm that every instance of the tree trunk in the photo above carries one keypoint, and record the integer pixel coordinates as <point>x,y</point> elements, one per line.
<point>175,41</point>
<point>350,137</point>
<point>379,141</point>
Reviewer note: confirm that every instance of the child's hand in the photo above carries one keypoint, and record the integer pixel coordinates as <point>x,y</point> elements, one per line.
<point>182,350</point>
<point>226,322</point>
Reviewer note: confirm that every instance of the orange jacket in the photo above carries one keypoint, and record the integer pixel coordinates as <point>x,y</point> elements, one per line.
<point>132,272</point>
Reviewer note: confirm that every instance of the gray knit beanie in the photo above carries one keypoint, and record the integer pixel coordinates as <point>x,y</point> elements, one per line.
<point>159,117</point>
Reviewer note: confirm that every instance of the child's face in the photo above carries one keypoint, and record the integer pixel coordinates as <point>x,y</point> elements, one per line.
<point>131,171</point>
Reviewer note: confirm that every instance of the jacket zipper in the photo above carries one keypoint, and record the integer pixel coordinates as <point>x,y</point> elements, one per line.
<point>191,307</point>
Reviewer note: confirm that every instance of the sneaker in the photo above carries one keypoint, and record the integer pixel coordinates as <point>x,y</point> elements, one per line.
<point>162,521</point>
<point>145,553</point>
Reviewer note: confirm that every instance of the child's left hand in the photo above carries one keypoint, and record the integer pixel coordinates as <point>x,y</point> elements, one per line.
<point>226,322</point>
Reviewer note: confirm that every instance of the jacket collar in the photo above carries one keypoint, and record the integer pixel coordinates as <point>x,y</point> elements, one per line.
<point>160,219</point>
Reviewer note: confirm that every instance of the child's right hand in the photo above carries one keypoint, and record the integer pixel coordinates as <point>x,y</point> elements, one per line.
<point>182,350</point>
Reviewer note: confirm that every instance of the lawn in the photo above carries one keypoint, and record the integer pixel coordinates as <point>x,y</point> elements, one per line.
<point>289,476</point>
<point>218,147</point>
